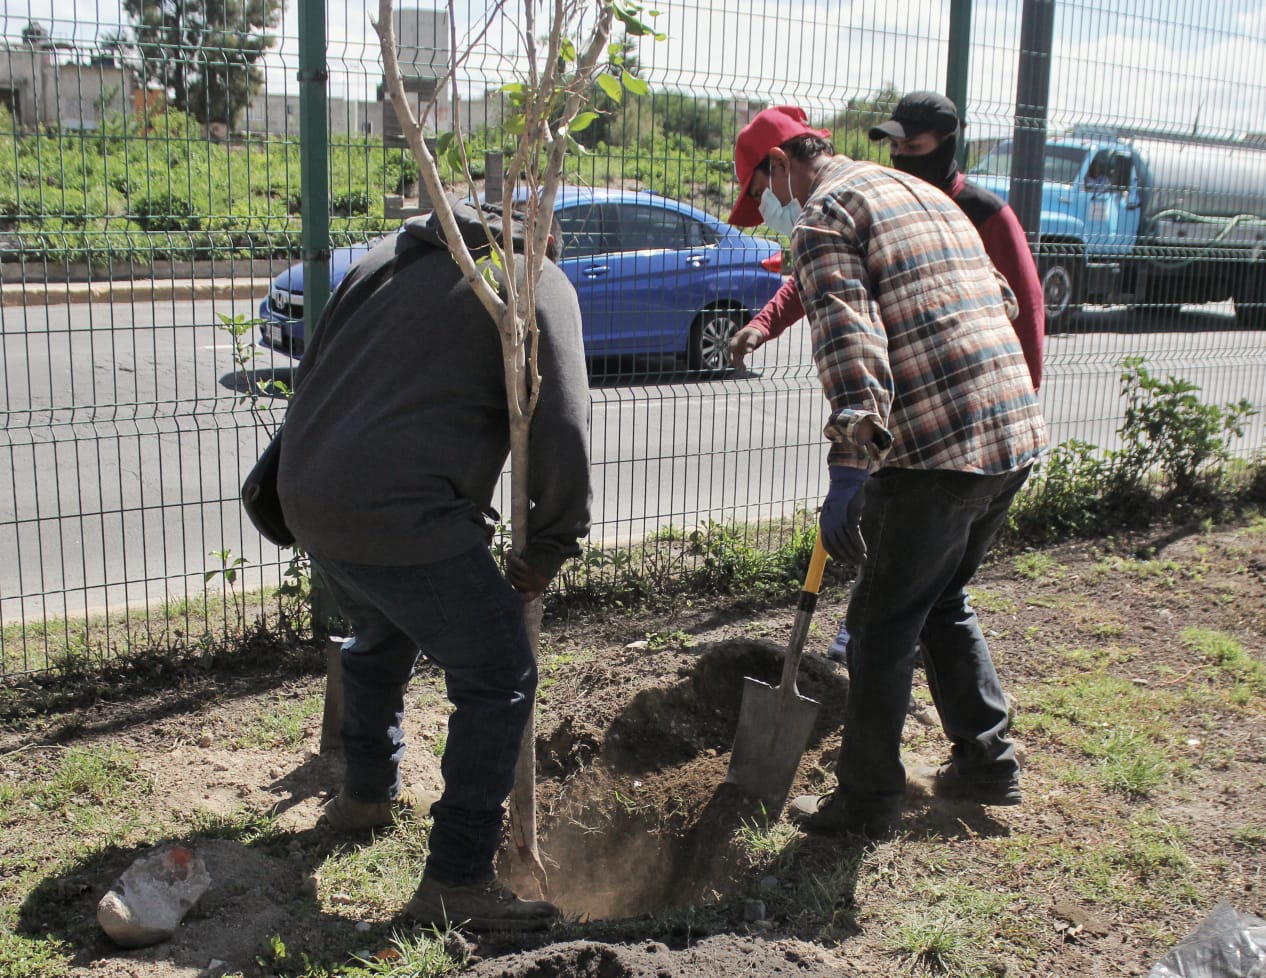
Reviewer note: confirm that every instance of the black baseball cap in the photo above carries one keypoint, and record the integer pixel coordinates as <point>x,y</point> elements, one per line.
<point>918,112</point>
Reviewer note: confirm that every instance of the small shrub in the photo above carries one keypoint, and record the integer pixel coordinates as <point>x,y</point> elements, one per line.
<point>349,203</point>
<point>165,212</point>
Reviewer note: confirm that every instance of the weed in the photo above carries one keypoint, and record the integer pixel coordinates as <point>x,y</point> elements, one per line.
<point>422,955</point>
<point>380,876</point>
<point>1229,655</point>
<point>658,641</point>
<point>1128,762</point>
<point>1035,566</point>
<point>280,726</point>
<point>766,840</point>
<point>243,826</point>
<point>1252,836</point>
<point>32,957</point>
<point>940,943</point>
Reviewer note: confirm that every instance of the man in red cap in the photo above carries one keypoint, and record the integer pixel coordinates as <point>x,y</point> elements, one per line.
<point>923,141</point>
<point>933,427</point>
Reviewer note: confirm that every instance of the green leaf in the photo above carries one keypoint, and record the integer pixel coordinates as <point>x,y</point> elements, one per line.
<point>567,50</point>
<point>634,84</point>
<point>611,87</point>
<point>442,143</point>
<point>582,121</point>
<point>516,124</point>
<point>514,87</point>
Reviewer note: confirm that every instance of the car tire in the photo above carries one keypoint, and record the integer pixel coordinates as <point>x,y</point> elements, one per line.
<point>1060,274</point>
<point>710,336</point>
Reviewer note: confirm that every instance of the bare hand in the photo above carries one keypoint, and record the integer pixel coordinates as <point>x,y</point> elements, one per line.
<point>743,342</point>
<point>523,579</point>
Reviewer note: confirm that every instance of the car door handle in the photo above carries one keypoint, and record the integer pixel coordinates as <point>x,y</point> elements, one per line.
<point>697,261</point>
<point>596,271</point>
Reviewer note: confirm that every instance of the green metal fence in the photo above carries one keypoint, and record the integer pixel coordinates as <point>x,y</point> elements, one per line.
<point>150,190</point>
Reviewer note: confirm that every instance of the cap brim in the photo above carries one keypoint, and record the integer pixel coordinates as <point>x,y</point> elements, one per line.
<point>746,213</point>
<point>892,129</point>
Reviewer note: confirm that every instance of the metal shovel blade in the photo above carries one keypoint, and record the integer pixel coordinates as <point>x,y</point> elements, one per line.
<point>775,722</point>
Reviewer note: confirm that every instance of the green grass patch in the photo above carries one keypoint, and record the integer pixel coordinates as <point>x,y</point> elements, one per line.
<point>1037,566</point>
<point>32,957</point>
<point>1252,836</point>
<point>1230,657</point>
<point>280,725</point>
<point>993,602</point>
<point>421,955</point>
<point>378,876</point>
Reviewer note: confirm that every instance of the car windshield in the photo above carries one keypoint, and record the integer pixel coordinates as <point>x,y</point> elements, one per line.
<point>1062,163</point>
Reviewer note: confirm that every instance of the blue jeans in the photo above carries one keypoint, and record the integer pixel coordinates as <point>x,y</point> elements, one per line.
<point>926,533</point>
<point>463,615</point>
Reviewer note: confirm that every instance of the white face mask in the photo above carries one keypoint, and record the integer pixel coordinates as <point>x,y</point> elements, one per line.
<point>778,216</point>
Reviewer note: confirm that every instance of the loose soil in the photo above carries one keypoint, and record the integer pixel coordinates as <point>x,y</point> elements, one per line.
<point>647,851</point>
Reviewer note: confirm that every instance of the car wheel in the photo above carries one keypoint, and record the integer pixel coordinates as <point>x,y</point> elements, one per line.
<point>710,339</point>
<point>1061,283</point>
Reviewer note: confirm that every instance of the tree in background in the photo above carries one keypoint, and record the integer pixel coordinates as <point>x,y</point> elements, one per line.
<point>203,52</point>
<point>710,125</point>
<point>34,35</point>
<point>620,121</point>
<point>851,127</point>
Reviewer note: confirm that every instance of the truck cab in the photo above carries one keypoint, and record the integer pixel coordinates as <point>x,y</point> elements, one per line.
<point>1090,210</point>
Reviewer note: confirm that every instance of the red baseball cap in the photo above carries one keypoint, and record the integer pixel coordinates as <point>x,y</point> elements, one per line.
<point>769,128</point>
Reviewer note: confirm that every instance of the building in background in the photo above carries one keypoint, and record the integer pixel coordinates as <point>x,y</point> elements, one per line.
<point>58,85</point>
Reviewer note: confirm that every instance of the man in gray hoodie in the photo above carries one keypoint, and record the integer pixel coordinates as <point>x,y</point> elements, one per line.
<point>395,438</point>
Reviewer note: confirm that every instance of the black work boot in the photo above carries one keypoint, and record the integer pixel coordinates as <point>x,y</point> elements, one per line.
<point>834,814</point>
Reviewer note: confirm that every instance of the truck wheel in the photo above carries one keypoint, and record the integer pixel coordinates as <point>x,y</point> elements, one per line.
<point>1061,284</point>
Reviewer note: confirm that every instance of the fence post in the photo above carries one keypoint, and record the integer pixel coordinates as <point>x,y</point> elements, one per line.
<point>1032,91</point>
<point>956,72</point>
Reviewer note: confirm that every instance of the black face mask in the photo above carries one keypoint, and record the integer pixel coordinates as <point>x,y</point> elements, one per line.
<point>938,167</point>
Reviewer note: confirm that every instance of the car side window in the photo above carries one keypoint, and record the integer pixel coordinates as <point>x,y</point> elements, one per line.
<point>698,234</point>
<point>643,228</point>
<point>582,231</point>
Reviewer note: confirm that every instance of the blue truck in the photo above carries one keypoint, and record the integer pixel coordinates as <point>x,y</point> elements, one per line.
<point>1146,220</point>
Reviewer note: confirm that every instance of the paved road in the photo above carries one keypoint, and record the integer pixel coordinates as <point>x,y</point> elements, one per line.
<point>126,437</point>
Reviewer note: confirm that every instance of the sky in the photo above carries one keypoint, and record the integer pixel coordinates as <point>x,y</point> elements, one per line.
<point>1175,64</point>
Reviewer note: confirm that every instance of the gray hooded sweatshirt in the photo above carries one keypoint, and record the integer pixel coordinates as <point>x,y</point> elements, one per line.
<point>398,429</point>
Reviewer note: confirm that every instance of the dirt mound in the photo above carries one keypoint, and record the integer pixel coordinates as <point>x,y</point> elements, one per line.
<point>709,958</point>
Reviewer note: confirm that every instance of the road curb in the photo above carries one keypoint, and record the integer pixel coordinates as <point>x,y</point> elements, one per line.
<point>131,290</point>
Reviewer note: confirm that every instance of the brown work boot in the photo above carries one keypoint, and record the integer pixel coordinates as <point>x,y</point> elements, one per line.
<point>834,814</point>
<point>345,814</point>
<point>478,907</point>
<point>952,783</point>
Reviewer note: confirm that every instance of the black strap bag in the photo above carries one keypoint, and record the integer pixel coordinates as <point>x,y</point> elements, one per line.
<point>260,499</point>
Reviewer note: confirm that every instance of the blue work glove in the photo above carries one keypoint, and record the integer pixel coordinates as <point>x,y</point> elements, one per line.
<point>841,514</point>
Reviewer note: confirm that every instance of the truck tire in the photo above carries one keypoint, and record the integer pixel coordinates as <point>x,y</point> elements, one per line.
<point>1060,272</point>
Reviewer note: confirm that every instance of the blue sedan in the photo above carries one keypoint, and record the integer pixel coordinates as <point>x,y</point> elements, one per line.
<point>654,276</point>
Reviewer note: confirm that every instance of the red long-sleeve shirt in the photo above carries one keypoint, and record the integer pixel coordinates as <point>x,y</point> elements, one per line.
<point>1008,249</point>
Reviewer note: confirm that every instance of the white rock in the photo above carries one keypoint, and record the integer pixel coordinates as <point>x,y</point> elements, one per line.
<point>146,904</point>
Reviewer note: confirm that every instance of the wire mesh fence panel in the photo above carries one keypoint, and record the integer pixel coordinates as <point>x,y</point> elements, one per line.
<point>151,206</point>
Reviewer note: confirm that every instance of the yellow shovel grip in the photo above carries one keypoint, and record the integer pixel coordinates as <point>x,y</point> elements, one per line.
<point>817,563</point>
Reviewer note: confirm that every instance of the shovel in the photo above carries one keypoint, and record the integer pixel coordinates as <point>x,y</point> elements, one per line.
<point>775,722</point>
